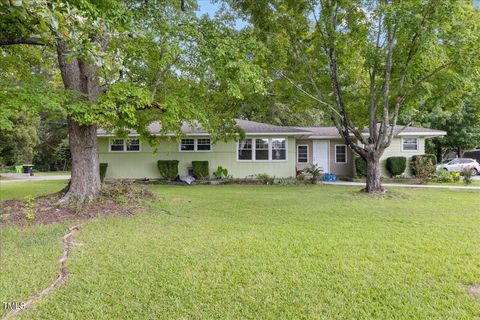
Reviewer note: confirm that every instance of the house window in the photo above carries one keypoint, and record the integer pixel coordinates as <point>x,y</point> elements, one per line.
<point>245,149</point>
<point>340,153</point>
<point>279,150</point>
<point>302,153</point>
<point>261,149</point>
<point>187,145</point>
<point>190,144</point>
<point>133,145</point>
<point>116,145</point>
<point>204,144</point>
<point>122,145</point>
<point>410,144</point>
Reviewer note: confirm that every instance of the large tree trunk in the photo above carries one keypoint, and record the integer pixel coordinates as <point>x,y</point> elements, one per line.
<point>80,77</point>
<point>85,183</point>
<point>374,184</point>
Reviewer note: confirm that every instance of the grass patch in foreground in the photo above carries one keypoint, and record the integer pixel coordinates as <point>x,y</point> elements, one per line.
<point>273,252</point>
<point>19,190</point>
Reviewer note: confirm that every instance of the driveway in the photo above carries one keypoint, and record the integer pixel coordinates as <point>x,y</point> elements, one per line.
<point>20,177</point>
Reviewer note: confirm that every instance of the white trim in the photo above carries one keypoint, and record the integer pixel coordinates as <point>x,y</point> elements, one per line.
<point>346,154</point>
<point>308,153</point>
<point>418,145</point>
<point>270,160</point>
<point>124,145</point>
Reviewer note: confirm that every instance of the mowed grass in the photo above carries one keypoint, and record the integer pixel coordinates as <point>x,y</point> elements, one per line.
<point>264,252</point>
<point>19,190</point>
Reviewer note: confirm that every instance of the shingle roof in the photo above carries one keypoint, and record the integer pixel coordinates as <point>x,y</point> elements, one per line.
<point>255,128</point>
<point>250,127</point>
<point>399,130</point>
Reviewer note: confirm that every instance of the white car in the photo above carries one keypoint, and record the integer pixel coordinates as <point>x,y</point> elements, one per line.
<point>459,165</point>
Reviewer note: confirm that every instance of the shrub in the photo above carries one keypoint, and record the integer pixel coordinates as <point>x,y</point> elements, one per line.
<point>315,171</point>
<point>265,178</point>
<point>103,171</point>
<point>467,175</point>
<point>422,159</point>
<point>455,176</point>
<point>361,166</point>
<point>29,208</point>
<point>443,176</point>
<point>221,173</point>
<point>168,169</point>
<point>396,165</point>
<point>423,167</point>
<point>200,169</point>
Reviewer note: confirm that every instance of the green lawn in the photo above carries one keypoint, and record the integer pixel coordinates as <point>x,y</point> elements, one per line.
<point>260,252</point>
<point>18,190</point>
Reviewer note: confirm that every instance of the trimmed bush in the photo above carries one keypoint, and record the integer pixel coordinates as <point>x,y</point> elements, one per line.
<point>168,169</point>
<point>443,176</point>
<point>103,171</point>
<point>428,161</point>
<point>396,165</point>
<point>361,166</point>
<point>200,169</point>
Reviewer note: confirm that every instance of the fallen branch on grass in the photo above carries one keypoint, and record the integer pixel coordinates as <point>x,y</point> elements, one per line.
<point>172,214</point>
<point>61,278</point>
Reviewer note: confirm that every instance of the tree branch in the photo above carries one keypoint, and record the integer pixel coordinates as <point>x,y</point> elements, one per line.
<point>22,40</point>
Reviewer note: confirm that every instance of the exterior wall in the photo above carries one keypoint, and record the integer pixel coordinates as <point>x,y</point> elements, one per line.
<point>395,150</point>
<point>341,169</point>
<point>346,169</point>
<point>143,164</point>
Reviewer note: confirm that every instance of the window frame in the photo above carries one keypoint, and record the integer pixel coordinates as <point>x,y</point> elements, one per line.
<point>346,154</point>
<point>124,145</point>
<point>254,147</point>
<point>308,153</point>
<point>195,144</point>
<point>417,144</point>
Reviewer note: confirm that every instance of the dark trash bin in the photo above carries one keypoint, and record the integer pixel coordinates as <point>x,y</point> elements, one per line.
<point>28,168</point>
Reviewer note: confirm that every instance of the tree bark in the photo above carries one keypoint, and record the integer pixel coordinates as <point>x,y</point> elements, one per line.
<point>374,184</point>
<point>80,77</point>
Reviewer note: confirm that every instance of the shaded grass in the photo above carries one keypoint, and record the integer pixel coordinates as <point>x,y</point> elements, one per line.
<point>28,260</point>
<point>53,173</point>
<point>18,190</point>
<point>273,252</point>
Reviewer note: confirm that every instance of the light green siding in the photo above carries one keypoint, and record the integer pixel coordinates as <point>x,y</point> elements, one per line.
<point>395,150</point>
<point>143,164</point>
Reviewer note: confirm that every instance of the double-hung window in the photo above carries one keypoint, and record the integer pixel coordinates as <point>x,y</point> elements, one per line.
<point>279,149</point>
<point>262,149</point>
<point>187,145</point>
<point>340,153</point>
<point>191,144</point>
<point>409,144</point>
<point>245,149</point>
<point>133,145</point>
<point>124,145</point>
<point>204,144</point>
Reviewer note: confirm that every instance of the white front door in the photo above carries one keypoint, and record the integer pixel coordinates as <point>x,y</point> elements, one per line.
<point>320,154</point>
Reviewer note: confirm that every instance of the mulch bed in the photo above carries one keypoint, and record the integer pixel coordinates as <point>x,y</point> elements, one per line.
<point>116,200</point>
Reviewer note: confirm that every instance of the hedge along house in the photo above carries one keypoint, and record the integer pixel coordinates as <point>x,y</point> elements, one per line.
<point>275,150</point>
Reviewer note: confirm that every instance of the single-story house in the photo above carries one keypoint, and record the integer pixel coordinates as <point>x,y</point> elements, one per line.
<point>278,151</point>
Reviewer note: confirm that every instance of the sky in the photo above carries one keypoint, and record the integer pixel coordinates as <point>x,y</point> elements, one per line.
<point>208,7</point>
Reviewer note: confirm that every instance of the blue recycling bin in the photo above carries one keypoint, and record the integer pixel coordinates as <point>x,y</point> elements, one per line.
<point>329,177</point>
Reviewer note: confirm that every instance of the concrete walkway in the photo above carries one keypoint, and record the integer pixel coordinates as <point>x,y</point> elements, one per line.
<point>400,185</point>
<point>11,177</point>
